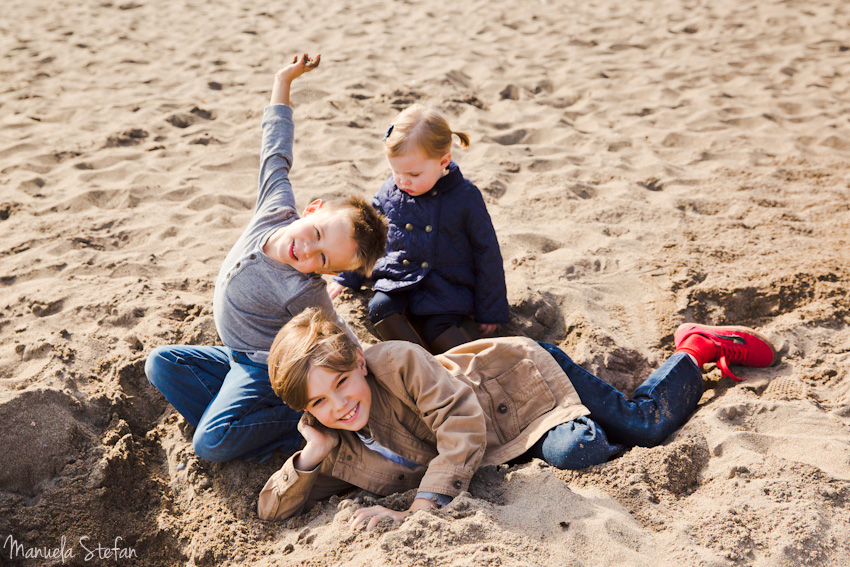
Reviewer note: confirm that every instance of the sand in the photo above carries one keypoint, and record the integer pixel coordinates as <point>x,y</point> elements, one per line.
<point>645,163</point>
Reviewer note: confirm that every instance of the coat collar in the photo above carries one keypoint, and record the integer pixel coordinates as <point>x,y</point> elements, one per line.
<point>448,181</point>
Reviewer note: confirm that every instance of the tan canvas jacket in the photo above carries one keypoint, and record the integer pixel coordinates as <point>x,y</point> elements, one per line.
<point>482,403</point>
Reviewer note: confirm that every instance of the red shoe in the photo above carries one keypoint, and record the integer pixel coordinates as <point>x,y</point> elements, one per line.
<point>728,345</point>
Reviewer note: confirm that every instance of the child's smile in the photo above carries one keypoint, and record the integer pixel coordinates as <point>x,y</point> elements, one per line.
<point>339,400</point>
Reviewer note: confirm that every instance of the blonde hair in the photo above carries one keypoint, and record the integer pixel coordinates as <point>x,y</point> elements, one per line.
<point>422,127</point>
<point>311,338</point>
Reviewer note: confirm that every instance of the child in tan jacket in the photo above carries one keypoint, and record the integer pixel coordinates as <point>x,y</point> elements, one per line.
<point>395,417</point>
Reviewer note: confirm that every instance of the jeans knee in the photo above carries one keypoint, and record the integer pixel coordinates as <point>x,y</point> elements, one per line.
<point>155,365</point>
<point>383,305</point>
<point>209,446</point>
<point>578,444</point>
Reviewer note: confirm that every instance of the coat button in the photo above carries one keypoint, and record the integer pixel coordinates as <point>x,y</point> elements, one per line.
<point>286,477</point>
<point>428,228</point>
<point>406,262</point>
<point>401,477</point>
<point>348,457</point>
<point>408,227</point>
<point>457,484</point>
<point>252,256</point>
<point>425,265</point>
<point>238,264</point>
<point>503,408</point>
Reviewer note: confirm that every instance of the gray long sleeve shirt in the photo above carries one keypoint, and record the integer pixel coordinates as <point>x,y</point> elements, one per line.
<point>254,294</point>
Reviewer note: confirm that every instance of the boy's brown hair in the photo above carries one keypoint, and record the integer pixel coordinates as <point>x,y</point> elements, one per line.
<point>369,229</point>
<point>311,338</point>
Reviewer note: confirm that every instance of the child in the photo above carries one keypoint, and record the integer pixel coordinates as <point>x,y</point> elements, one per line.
<point>396,417</point>
<point>443,261</point>
<point>270,275</point>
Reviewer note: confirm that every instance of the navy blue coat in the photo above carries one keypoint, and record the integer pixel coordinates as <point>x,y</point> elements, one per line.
<point>442,247</point>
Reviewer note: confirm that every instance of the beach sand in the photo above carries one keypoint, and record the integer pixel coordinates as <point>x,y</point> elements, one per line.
<point>645,163</point>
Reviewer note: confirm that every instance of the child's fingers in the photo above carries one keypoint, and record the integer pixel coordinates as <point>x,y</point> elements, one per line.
<point>376,519</point>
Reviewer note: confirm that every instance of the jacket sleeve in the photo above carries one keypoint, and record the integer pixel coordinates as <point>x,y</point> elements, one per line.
<point>276,158</point>
<point>288,490</point>
<point>350,279</point>
<point>491,295</point>
<point>449,407</point>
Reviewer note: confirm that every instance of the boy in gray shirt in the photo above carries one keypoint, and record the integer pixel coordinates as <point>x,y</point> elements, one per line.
<point>270,275</point>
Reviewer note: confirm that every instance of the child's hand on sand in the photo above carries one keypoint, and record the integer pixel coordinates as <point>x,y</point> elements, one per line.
<point>334,288</point>
<point>284,77</point>
<point>318,446</point>
<point>374,514</point>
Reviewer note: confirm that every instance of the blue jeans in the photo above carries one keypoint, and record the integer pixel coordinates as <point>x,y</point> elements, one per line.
<point>382,305</point>
<point>658,407</point>
<point>229,400</point>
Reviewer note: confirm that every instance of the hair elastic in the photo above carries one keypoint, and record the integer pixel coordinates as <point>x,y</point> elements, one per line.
<point>389,131</point>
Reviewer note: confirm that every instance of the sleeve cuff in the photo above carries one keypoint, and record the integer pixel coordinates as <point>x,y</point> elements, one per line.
<point>436,498</point>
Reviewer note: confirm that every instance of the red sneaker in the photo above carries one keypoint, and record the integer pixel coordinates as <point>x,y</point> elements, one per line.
<point>732,345</point>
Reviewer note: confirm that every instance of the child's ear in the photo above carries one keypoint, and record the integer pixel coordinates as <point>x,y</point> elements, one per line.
<point>313,207</point>
<point>445,160</point>
<point>361,360</point>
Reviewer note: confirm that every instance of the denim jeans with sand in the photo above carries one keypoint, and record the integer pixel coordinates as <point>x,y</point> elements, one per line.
<point>229,400</point>
<point>658,407</point>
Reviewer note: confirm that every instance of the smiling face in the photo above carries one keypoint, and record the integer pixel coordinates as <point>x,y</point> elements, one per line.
<point>415,173</point>
<point>339,400</point>
<point>320,242</point>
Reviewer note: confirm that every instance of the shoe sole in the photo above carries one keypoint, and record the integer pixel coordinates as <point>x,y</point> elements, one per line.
<point>720,330</point>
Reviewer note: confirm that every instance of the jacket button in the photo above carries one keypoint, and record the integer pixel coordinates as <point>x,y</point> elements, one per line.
<point>238,264</point>
<point>286,477</point>
<point>503,408</point>
<point>428,228</point>
<point>348,457</point>
<point>252,256</point>
<point>425,265</point>
<point>401,477</point>
<point>408,227</point>
<point>457,484</point>
<point>406,262</point>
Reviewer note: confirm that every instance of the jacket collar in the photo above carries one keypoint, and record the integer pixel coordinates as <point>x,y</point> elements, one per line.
<point>448,181</point>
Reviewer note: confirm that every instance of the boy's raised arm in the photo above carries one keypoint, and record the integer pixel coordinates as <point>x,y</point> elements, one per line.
<point>275,190</point>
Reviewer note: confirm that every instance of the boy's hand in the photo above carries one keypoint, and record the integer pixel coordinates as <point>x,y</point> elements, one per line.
<point>334,288</point>
<point>300,64</point>
<point>319,445</point>
<point>283,78</point>
<point>487,329</point>
<point>374,514</point>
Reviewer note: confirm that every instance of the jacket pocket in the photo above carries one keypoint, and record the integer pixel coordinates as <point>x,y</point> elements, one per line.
<point>517,397</point>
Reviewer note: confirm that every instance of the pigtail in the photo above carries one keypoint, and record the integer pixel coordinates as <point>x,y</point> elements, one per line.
<point>463,138</point>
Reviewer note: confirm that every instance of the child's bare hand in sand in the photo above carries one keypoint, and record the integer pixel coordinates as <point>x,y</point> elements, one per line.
<point>334,289</point>
<point>283,78</point>
<point>374,514</point>
<point>318,446</point>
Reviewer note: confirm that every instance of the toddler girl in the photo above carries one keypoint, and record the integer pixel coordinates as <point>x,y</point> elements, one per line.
<point>443,261</point>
